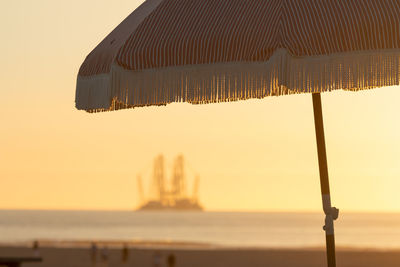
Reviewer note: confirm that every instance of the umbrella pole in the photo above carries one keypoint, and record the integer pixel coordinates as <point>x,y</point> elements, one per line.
<point>331,213</point>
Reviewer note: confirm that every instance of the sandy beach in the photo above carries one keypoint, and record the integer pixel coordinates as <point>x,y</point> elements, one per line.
<point>78,255</point>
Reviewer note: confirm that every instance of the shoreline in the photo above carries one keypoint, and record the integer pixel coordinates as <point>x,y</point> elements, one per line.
<point>177,245</point>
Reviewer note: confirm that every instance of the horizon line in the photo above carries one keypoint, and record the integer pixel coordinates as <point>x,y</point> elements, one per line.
<point>205,210</point>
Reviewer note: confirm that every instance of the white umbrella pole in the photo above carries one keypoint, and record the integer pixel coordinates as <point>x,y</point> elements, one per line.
<point>331,213</point>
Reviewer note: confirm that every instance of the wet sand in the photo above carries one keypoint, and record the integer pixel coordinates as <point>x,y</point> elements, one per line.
<point>78,255</point>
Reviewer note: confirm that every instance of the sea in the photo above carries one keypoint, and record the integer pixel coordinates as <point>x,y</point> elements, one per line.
<point>231,229</point>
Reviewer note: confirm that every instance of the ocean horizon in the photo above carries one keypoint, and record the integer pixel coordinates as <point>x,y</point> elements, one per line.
<point>231,229</point>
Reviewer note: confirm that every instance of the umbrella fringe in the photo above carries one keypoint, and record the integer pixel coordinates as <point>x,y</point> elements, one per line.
<point>282,74</point>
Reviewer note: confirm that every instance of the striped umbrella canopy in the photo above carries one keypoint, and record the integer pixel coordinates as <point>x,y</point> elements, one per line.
<point>225,50</point>
<point>206,51</point>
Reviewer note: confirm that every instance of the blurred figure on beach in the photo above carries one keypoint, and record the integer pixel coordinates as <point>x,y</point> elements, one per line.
<point>125,254</point>
<point>93,254</point>
<point>35,247</point>
<point>157,259</point>
<point>104,256</point>
<point>171,261</point>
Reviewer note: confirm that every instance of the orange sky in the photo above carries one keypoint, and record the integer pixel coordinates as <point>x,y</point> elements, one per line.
<point>252,155</point>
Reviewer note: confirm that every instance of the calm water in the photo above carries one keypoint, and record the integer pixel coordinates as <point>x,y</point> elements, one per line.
<point>231,229</point>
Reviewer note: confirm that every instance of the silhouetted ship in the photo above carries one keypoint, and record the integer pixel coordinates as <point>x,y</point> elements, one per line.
<point>172,196</point>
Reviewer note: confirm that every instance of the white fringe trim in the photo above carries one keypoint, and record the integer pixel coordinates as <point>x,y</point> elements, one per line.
<point>199,84</point>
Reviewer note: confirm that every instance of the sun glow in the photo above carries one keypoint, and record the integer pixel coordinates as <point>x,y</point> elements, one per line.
<point>251,155</point>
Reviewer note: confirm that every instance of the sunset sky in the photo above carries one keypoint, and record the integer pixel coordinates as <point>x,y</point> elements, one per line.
<point>250,155</point>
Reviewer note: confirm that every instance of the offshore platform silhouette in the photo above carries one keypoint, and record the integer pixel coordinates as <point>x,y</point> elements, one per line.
<point>172,195</point>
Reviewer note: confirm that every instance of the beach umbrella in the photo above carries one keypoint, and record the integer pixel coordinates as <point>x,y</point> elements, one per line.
<point>206,51</point>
